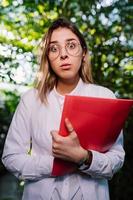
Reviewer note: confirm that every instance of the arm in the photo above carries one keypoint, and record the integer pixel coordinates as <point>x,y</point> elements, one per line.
<point>104,165</point>
<point>15,155</point>
<point>101,165</point>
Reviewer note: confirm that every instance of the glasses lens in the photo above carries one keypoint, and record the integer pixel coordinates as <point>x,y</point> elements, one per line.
<point>53,51</point>
<point>73,48</point>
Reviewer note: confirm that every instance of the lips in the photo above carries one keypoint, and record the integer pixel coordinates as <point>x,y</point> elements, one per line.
<point>65,66</point>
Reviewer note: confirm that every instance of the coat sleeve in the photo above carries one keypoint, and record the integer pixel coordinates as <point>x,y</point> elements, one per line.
<point>104,165</point>
<point>16,156</point>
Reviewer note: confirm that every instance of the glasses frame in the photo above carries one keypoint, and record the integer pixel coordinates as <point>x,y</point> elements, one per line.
<point>60,48</point>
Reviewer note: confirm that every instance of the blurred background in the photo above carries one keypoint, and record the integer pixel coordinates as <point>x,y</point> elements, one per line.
<point>107,28</point>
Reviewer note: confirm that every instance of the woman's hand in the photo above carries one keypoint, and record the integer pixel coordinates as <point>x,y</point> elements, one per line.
<point>68,148</point>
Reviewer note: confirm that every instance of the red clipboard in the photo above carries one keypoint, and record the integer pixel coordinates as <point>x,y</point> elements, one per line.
<point>97,122</point>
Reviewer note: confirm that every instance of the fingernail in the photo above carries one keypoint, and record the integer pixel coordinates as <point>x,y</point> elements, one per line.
<point>66,119</point>
<point>51,132</point>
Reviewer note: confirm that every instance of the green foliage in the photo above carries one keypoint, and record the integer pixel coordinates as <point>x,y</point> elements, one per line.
<point>107,29</point>
<point>8,103</point>
<point>106,26</point>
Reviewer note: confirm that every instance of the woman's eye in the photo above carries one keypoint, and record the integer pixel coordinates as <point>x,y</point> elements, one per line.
<point>53,48</point>
<point>71,45</point>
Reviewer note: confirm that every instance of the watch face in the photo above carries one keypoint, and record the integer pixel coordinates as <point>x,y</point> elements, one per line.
<point>81,162</point>
<point>86,162</point>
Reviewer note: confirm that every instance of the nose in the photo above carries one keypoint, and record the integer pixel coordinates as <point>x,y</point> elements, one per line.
<point>63,54</point>
<point>63,57</point>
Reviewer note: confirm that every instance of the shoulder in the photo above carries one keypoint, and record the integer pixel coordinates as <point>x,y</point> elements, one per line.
<point>29,94</point>
<point>29,102</point>
<point>30,97</point>
<point>99,91</point>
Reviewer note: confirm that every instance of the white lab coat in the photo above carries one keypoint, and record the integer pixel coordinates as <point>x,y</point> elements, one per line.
<point>34,120</point>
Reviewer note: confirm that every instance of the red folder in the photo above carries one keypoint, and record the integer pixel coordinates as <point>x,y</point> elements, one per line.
<point>97,122</point>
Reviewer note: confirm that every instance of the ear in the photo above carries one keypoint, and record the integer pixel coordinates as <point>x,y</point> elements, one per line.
<point>86,56</point>
<point>83,56</point>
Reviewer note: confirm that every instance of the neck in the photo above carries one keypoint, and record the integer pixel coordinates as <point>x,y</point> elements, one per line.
<point>66,86</point>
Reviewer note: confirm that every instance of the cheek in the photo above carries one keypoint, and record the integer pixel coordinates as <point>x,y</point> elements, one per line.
<point>77,62</point>
<point>53,65</point>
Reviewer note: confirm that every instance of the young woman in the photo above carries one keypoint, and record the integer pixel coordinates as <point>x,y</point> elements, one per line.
<point>64,69</point>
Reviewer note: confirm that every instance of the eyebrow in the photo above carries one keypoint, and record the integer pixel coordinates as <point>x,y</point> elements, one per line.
<point>68,40</point>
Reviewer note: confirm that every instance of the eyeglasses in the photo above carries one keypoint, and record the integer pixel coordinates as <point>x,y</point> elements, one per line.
<point>73,48</point>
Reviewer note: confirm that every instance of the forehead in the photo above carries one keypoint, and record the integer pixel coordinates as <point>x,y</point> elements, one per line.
<point>61,35</point>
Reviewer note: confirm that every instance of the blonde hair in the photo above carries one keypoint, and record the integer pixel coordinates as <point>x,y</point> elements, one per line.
<point>46,78</point>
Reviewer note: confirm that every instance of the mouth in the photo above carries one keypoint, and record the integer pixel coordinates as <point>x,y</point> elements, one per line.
<point>65,66</point>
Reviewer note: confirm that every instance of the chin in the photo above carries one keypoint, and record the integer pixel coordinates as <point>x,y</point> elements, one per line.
<point>69,77</point>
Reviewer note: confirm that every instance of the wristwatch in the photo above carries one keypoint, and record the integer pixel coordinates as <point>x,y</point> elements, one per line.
<point>86,162</point>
